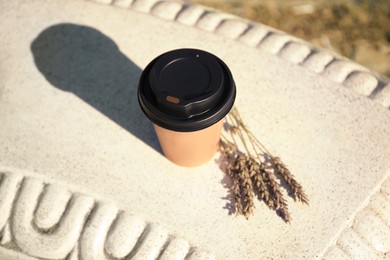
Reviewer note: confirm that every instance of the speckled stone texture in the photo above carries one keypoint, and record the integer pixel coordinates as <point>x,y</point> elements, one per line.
<point>81,172</point>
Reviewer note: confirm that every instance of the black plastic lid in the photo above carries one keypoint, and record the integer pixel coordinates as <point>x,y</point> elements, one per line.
<point>186,90</point>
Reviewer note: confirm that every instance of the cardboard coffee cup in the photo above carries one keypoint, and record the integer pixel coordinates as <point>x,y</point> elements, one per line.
<point>186,93</point>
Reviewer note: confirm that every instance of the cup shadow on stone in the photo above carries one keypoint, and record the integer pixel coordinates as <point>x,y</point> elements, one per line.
<point>87,63</point>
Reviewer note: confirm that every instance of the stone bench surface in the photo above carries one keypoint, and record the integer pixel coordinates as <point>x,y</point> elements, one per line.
<point>81,172</point>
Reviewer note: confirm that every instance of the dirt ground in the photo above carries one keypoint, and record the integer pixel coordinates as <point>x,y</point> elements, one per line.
<point>359,30</point>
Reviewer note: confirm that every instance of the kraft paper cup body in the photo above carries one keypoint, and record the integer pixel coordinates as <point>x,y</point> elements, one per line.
<point>189,148</point>
<point>186,93</point>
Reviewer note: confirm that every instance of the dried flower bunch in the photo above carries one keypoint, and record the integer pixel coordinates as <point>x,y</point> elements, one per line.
<point>255,172</point>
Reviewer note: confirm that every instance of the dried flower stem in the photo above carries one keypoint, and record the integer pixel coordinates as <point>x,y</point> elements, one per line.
<point>242,186</point>
<point>295,188</point>
<point>280,204</point>
<point>255,171</point>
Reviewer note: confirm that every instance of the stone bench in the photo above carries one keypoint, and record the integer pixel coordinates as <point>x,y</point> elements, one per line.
<point>81,172</point>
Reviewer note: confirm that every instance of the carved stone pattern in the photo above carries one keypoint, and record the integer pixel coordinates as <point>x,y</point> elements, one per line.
<point>48,221</point>
<point>369,235</point>
<point>292,49</point>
